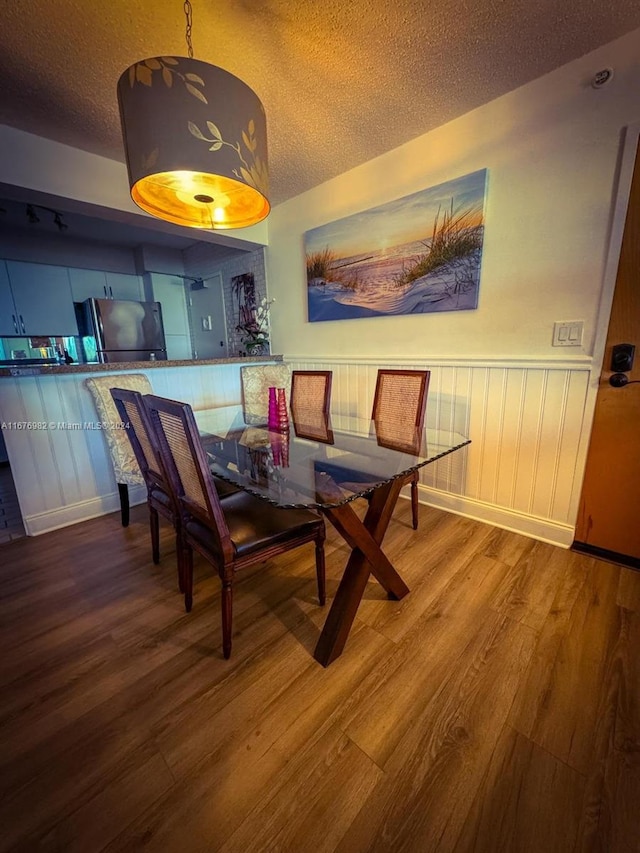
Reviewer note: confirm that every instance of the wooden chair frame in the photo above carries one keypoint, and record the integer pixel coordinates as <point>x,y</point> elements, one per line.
<point>220,550</point>
<point>160,497</point>
<point>418,420</point>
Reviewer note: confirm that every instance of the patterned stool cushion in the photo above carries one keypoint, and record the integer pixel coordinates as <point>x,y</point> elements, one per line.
<point>256,381</point>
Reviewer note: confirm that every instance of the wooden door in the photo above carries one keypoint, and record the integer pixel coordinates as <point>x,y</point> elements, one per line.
<point>609,514</point>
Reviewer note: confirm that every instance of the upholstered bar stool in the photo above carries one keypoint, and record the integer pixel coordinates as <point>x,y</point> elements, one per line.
<point>256,381</point>
<point>125,466</point>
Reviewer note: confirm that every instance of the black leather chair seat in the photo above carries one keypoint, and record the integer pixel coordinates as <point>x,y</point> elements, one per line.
<point>254,525</point>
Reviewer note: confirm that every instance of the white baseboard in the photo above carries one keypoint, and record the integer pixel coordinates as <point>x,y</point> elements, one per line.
<point>45,522</point>
<point>532,526</point>
<point>528,525</point>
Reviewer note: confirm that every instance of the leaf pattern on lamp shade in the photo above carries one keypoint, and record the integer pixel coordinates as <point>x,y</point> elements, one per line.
<point>252,169</point>
<point>254,173</point>
<point>142,72</point>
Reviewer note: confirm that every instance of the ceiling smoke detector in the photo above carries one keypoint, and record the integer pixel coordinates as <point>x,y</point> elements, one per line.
<point>602,77</point>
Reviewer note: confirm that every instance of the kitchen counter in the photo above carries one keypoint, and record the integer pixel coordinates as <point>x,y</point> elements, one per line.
<point>63,369</point>
<point>56,444</point>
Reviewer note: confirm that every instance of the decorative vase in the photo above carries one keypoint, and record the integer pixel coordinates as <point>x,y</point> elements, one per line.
<point>272,421</point>
<point>283,417</point>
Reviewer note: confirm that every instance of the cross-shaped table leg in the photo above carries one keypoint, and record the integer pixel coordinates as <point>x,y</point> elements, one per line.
<point>365,538</point>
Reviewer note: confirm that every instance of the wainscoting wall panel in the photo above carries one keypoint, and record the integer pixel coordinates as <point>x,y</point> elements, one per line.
<point>523,469</point>
<point>59,456</point>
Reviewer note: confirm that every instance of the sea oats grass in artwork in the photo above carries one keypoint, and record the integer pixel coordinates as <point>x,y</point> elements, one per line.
<point>418,254</point>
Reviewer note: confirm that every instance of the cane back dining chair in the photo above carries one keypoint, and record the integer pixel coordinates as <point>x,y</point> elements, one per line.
<point>401,398</point>
<point>311,390</point>
<point>231,534</point>
<point>310,404</point>
<point>160,498</point>
<point>125,466</point>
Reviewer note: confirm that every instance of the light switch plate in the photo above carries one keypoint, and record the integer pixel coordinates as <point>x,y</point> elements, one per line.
<point>568,333</point>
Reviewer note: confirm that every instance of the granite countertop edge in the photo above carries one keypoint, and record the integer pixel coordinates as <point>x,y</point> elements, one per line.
<point>60,369</point>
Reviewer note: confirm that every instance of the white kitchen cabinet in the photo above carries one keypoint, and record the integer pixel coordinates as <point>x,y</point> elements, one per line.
<point>99,284</point>
<point>88,284</point>
<point>123,286</point>
<point>42,302</point>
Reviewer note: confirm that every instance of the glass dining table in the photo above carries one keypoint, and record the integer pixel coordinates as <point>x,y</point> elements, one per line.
<point>325,463</point>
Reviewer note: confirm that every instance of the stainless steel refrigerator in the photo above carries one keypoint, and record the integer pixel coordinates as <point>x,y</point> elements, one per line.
<point>126,331</point>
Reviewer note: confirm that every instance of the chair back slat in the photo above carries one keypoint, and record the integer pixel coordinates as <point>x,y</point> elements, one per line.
<point>401,396</point>
<point>311,390</point>
<point>130,409</point>
<point>185,461</point>
<point>149,457</point>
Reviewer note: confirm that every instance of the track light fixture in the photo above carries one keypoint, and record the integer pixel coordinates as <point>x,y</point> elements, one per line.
<point>33,217</point>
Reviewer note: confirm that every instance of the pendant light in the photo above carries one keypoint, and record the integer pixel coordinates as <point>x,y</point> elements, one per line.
<point>195,139</point>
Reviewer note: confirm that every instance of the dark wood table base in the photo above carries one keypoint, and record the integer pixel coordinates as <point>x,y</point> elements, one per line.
<point>365,539</point>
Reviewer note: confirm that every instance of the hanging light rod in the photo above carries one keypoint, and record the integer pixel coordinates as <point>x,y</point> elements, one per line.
<point>195,140</point>
<point>33,217</point>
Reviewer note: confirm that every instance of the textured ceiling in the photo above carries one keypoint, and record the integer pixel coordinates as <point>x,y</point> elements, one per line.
<point>340,82</point>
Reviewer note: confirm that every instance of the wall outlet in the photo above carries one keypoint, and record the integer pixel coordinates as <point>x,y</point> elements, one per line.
<point>568,333</point>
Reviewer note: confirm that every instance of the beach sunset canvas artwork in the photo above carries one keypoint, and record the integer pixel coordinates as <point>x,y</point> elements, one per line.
<point>418,254</point>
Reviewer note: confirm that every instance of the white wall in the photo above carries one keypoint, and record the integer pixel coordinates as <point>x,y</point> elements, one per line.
<point>552,148</point>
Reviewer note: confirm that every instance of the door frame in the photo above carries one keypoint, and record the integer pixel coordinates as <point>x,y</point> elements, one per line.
<point>629,141</point>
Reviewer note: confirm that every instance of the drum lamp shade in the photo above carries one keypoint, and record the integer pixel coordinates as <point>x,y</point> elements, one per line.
<point>195,139</point>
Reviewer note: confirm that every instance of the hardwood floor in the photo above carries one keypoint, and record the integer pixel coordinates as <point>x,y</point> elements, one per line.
<point>495,708</point>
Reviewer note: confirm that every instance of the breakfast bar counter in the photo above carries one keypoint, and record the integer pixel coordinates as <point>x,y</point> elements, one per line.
<point>57,451</point>
<point>60,369</point>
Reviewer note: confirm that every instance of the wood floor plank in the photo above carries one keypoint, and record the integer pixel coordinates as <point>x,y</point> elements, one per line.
<point>434,773</point>
<point>560,713</point>
<point>245,752</point>
<point>384,707</point>
<point>530,588</point>
<point>610,813</point>
<point>629,589</point>
<point>433,563</point>
<point>303,812</point>
<point>528,802</point>
<point>497,704</point>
